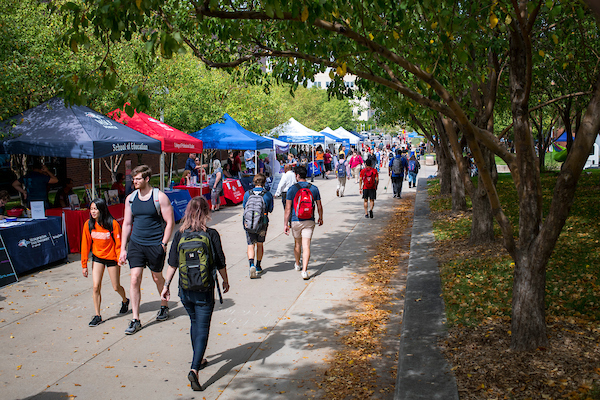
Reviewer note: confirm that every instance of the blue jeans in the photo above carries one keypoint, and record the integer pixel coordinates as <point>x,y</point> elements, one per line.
<point>412,178</point>
<point>199,306</point>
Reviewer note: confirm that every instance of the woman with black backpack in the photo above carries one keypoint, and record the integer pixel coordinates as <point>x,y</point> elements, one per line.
<point>102,235</point>
<point>196,251</point>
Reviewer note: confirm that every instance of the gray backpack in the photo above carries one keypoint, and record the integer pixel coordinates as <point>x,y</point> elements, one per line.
<point>255,212</point>
<point>397,166</point>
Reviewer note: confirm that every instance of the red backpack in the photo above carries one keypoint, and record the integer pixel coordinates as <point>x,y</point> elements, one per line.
<point>370,180</point>
<point>303,202</point>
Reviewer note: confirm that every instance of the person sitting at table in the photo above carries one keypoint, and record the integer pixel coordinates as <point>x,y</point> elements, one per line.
<point>291,160</point>
<point>62,196</point>
<point>102,235</point>
<point>34,185</point>
<point>216,185</point>
<point>4,198</point>
<point>119,186</point>
<point>185,178</point>
<point>227,171</point>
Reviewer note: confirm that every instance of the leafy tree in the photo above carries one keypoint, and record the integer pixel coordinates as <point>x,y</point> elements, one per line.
<point>420,49</point>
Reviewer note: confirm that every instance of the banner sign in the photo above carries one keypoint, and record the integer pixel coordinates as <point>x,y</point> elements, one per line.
<point>7,271</point>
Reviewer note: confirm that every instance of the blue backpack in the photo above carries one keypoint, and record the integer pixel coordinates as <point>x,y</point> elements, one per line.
<point>341,169</point>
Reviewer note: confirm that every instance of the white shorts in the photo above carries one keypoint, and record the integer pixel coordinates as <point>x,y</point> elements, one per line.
<point>303,229</point>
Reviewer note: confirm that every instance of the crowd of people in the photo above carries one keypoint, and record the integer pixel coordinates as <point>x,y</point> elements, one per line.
<point>196,251</point>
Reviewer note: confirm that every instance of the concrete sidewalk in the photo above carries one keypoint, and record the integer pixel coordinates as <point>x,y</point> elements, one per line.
<point>269,339</point>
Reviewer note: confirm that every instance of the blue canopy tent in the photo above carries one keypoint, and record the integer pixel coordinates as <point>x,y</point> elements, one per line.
<point>54,130</point>
<point>227,134</point>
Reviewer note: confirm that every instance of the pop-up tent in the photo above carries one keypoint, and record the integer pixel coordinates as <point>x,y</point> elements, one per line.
<point>227,134</point>
<point>293,131</point>
<point>172,140</point>
<point>327,131</point>
<point>341,132</point>
<point>54,130</point>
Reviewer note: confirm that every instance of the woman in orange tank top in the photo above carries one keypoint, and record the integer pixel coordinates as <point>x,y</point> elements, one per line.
<point>102,235</point>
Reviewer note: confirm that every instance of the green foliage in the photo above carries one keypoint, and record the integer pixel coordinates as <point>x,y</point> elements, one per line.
<point>480,287</point>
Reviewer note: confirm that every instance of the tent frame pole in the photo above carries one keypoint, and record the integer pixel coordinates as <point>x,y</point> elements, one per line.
<point>93,179</point>
<point>162,171</point>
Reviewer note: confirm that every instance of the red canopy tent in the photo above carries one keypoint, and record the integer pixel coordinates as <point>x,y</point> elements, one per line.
<point>172,140</point>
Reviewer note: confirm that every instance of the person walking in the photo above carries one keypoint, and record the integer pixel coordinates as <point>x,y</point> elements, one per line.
<point>328,158</point>
<point>356,163</point>
<point>341,174</point>
<point>413,169</point>
<point>102,235</point>
<point>145,209</point>
<point>198,302</point>
<point>320,158</point>
<point>300,207</point>
<point>215,183</point>
<point>287,180</point>
<point>257,204</point>
<point>397,167</point>
<point>369,180</point>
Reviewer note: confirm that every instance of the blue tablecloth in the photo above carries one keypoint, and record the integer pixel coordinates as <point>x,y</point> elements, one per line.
<point>179,201</point>
<point>35,243</point>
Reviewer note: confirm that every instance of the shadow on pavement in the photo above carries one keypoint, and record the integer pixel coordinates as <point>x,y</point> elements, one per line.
<point>49,396</point>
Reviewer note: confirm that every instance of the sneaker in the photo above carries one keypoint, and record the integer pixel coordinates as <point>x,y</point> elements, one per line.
<point>371,213</point>
<point>337,192</point>
<point>366,215</point>
<point>163,313</point>
<point>297,267</point>
<point>252,272</point>
<point>97,320</point>
<point>134,326</point>
<point>124,307</point>
<point>258,270</point>
<point>304,275</point>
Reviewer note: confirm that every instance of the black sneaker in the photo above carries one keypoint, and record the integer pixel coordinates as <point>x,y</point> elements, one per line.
<point>124,307</point>
<point>258,270</point>
<point>134,326</point>
<point>371,213</point>
<point>163,313</point>
<point>366,215</point>
<point>97,320</point>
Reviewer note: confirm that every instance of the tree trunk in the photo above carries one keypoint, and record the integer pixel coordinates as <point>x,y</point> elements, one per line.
<point>459,201</point>
<point>528,303</point>
<point>528,318</point>
<point>444,155</point>
<point>482,222</point>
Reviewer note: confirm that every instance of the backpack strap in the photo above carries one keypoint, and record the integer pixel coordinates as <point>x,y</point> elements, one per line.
<point>155,193</point>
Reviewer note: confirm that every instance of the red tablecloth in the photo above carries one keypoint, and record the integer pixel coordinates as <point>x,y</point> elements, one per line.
<point>75,219</point>
<point>233,191</point>
<point>197,191</point>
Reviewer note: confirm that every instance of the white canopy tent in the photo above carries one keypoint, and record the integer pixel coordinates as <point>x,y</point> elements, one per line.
<point>293,131</point>
<point>343,133</point>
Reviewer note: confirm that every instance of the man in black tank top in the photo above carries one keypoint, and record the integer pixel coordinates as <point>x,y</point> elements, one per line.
<point>145,210</point>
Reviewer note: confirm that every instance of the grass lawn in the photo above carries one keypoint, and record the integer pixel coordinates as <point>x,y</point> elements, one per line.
<point>550,164</point>
<point>479,288</point>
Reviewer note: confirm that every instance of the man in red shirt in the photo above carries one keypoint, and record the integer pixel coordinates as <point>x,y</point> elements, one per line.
<point>369,179</point>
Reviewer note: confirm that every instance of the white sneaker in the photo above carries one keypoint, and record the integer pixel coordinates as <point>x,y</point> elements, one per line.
<point>252,272</point>
<point>297,267</point>
<point>304,275</point>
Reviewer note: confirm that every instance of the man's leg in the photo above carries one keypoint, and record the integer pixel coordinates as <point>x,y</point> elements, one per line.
<point>305,253</point>
<point>159,280</point>
<point>297,250</point>
<point>372,204</point>
<point>343,186</point>
<point>259,251</point>
<point>365,205</point>
<point>251,252</point>
<point>134,290</point>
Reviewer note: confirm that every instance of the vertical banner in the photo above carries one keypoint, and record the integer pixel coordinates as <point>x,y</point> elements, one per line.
<point>7,271</point>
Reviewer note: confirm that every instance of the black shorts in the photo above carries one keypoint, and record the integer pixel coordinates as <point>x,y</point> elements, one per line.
<point>259,237</point>
<point>108,263</point>
<point>369,194</point>
<point>140,256</point>
<point>327,166</point>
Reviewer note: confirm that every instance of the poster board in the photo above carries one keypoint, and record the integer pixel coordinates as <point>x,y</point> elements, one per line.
<point>7,271</point>
<point>112,197</point>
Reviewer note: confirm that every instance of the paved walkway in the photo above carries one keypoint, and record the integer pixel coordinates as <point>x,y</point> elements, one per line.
<point>268,340</point>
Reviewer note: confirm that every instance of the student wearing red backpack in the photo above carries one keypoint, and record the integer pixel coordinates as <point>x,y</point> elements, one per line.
<point>369,179</point>
<point>300,205</point>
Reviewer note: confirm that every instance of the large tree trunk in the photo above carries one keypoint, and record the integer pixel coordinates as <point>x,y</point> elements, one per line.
<point>444,157</point>
<point>459,201</point>
<point>528,305</point>
<point>482,222</point>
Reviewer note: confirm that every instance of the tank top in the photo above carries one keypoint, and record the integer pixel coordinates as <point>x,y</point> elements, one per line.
<point>147,228</point>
